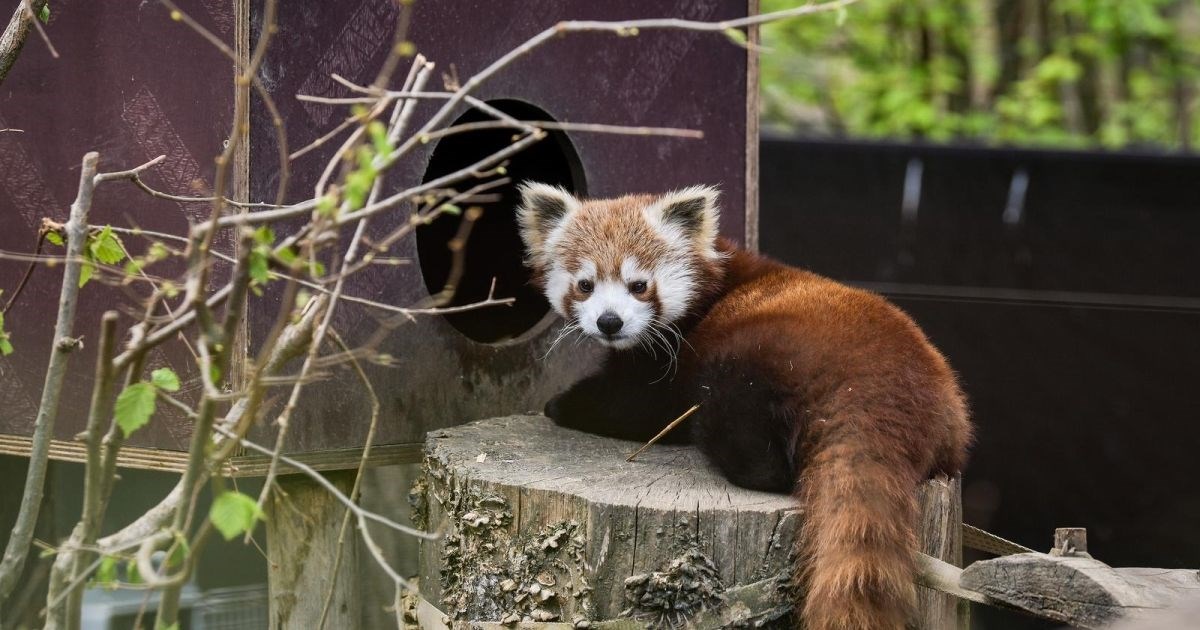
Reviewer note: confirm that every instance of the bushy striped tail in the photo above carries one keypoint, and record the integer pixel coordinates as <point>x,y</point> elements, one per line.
<point>857,543</point>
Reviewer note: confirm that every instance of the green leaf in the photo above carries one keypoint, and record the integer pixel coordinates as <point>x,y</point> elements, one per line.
<point>327,205</point>
<point>736,36</point>
<point>106,247</point>
<point>264,236</point>
<point>86,270</point>
<point>259,272</point>
<point>174,626</point>
<point>234,513</point>
<point>181,551</point>
<point>132,573</point>
<point>379,138</point>
<point>134,407</point>
<point>106,573</point>
<point>44,13</point>
<point>54,237</point>
<point>165,379</point>
<point>157,252</point>
<point>6,347</point>
<point>287,256</point>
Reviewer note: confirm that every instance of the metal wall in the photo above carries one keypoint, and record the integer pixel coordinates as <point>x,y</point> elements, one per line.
<point>1067,299</point>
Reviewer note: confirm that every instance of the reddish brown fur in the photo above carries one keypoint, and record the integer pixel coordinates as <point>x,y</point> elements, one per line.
<point>607,231</point>
<point>807,385</point>
<point>877,408</point>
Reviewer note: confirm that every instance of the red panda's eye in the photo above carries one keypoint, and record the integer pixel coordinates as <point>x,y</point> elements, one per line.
<point>638,287</point>
<point>585,286</point>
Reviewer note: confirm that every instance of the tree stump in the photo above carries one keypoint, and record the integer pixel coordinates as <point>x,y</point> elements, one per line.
<point>544,524</point>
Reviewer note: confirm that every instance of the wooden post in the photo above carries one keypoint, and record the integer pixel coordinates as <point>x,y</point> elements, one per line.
<point>303,522</point>
<point>940,533</point>
<point>1070,541</point>
<point>544,524</point>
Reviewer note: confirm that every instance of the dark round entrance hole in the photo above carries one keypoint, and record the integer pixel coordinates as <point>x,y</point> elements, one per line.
<point>494,248</point>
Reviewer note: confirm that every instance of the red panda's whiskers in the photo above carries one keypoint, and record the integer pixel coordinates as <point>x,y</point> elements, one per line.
<point>571,326</point>
<point>658,336</point>
<point>646,344</point>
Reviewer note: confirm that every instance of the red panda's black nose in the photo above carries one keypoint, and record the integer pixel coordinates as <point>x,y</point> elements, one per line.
<point>609,323</point>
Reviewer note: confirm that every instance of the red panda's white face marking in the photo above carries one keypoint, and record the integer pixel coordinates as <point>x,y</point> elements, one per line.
<point>620,270</point>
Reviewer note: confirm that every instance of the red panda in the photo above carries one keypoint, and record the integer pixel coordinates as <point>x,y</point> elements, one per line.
<point>805,385</point>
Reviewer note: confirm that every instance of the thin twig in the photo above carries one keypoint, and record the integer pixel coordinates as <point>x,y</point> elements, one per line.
<point>325,483</point>
<point>625,130</point>
<point>419,76</point>
<point>667,429</point>
<point>37,252</point>
<point>362,467</point>
<point>70,560</point>
<point>37,24</point>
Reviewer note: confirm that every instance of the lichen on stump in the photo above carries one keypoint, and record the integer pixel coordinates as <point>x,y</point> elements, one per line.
<point>545,524</point>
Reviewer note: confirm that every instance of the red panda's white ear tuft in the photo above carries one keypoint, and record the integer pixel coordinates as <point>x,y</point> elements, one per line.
<point>543,208</point>
<point>693,212</point>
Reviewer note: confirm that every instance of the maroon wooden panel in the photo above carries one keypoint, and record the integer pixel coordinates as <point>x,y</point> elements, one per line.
<point>130,84</point>
<point>674,79</point>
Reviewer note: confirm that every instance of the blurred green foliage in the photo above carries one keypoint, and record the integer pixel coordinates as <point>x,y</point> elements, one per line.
<point>1076,73</point>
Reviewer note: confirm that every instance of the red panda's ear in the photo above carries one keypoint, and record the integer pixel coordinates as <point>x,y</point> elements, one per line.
<point>543,208</point>
<point>693,211</point>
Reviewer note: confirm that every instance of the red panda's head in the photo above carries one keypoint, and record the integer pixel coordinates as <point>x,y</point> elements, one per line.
<point>620,268</point>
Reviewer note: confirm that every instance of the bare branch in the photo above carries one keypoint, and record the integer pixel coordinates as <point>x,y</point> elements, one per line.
<point>325,483</point>
<point>422,71</point>
<point>70,560</point>
<point>13,38</point>
<point>31,500</point>
<point>362,467</point>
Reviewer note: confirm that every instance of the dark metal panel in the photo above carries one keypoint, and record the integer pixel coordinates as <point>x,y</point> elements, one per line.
<point>1076,331</point>
<point>131,84</point>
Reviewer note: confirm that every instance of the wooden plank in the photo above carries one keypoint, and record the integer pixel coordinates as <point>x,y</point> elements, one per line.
<point>752,129</point>
<point>237,466</point>
<point>302,548</point>
<point>340,459</point>
<point>1078,590</point>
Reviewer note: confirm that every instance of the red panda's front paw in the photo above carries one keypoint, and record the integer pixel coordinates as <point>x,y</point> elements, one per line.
<point>565,410</point>
<point>554,408</point>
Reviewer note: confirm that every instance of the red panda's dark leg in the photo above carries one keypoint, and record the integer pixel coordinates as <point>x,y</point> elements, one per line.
<point>745,427</point>
<point>630,398</point>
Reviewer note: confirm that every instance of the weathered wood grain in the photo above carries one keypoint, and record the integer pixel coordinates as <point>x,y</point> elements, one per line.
<point>940,534</point>
<point>303,522</point>
<point>1080,591</point>
<point>527,507</point>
